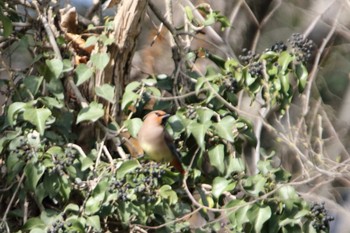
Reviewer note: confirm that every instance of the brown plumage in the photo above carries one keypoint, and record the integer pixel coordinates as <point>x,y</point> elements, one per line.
<point>156,141</point>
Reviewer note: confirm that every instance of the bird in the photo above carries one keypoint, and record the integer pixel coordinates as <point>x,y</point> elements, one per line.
<point>157,142</point>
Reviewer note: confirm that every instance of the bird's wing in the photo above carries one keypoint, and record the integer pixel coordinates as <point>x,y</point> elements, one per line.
<point>176,162</point>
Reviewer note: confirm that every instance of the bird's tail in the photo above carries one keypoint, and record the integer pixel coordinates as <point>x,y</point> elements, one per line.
<point>177,164</point>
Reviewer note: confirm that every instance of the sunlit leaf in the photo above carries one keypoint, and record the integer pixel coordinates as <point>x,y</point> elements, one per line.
<point>55,66</point>
<point>258,216</point>
<point>83,73</point>
<point>91,113</point>
<point>221,185</point>
<point>224,128</point>
<point>302,75</point>
<point>199,131</point>
<point>38,117</point>
<point>33,174</point>
<point>126,167</point>
<point>13,109</point>
<point>216,157</point>
<point>133,125</point>
<point>100,60</point>
<point>106,91</point>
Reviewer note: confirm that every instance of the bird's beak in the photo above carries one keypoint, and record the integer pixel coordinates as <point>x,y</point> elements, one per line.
<point>165,118</point>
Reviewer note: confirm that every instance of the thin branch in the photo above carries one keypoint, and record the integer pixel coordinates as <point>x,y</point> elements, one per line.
<point>314,70</point>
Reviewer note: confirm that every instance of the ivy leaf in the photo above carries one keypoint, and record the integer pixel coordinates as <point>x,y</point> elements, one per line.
<point>189,13</point>
<point>224,128</point>
<point>13,110</point>
<point>126,167</point>
<point>302,74</point>
<point>33,174</point>
<point>288,196</point>
<point>106,91</point>
<point>204,114</point>
<point>55,66</point>
<point>133,126</point>
<point>91,113</point>
<point>100,60</point>
<point>94,221</point>
<point>259,215</point>
<point>7,25</point>
<point>91,40</point>
<point>38,117</point>
<point>33,223</point>
<point>128,98</point>
<point>83,73</point>
<point>221,185</point>
<point>285,83</point>
<point>166,192</point>
<point>199,130</point>
<point>132,86</point>
<point>216,157</point>
<point>33,83</point>
<point>284,60</point>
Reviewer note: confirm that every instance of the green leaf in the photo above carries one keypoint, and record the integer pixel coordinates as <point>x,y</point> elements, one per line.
<point>204,114</point>
<point>288,196</point>
<point>284,60</point>
<point>51,102</point>
<point>189,13</point>
<point>33,83</point>
<point>221,185</point>
<point>91,113</point>
<point>132,86</point>
<point>86,162</point>
<point>224,128</point>
<point>55,66</point>
<point>234,165</point>
<point>199,130</point>
<point>216,157</point>
<point>33,174</point>
<point>200,82</point>
<point>126,167</point>
<point>6,25</point>
<point>128,98</point>
<point>13,110</point>
<point>238,217</point>
<point>33,223</point>
<point>100,60</point>
<point>83,73</point>
<point>259,215</point>
<point>106,91</point>
<point>91,40</point>
<point>302,75</point>
<point>38,117</point>
<point>38,230</point>
<point>71,208</point>
<point>94,221</point>
<point>166,192</point>
<point>285,83</point>
<point>133,125</point>
<point>255,184</point>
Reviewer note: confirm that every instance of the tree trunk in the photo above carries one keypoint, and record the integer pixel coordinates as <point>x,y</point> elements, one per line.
<point>127,27</point>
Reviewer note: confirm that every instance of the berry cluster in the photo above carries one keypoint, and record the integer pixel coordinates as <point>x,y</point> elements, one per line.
<point>256,69</point>
<point>302,46</point>
<point>279,47</point>
<point>247,56</point>
<point>231,84</point>
<point>321,217</point>
<point>59,226</point>
<point>142,182</point>
<point>60,163</point>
